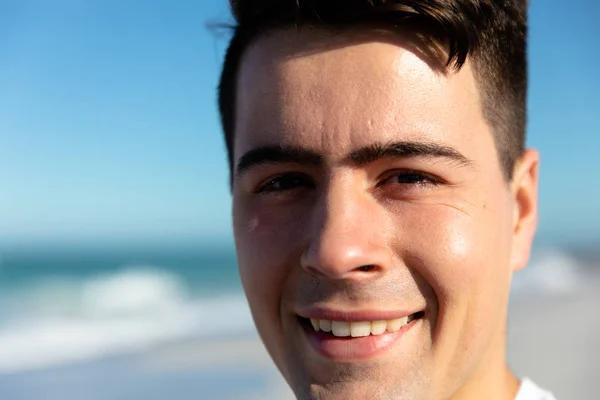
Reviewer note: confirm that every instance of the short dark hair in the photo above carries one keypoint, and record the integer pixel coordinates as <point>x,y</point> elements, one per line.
<point>491,33</point>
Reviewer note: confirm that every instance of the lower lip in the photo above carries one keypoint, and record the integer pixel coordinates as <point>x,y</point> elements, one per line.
<point>353,349</point>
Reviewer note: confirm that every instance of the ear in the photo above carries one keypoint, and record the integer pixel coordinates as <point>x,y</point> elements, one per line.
<point>524,191</point>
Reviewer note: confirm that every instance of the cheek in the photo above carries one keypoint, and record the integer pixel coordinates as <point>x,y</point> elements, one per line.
<point>264,254</point>
<point>445,247</point>
<point>464,258</point>
<point>460,254</point>
<point>265,243</point>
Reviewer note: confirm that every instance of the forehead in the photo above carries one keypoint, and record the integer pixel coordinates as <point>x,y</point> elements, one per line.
<point>335,92</point>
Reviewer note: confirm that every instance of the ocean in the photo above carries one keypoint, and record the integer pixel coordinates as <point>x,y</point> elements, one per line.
<point>58,307</point>
<point>71,320</point>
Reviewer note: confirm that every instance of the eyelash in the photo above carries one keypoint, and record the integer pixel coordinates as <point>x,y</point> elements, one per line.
<point>415,178</point>
<point>267,188</point>
<point>422,179</point>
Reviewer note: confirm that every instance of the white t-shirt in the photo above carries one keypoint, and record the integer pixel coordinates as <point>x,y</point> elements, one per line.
<point>530,391</point>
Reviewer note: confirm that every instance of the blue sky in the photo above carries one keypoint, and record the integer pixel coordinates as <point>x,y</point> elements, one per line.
<point>109,128</point>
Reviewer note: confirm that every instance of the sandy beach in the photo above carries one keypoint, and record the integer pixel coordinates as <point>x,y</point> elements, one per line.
<point>555,341</point>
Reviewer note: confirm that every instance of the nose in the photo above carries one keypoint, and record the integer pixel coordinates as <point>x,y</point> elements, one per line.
<point>347,236</point>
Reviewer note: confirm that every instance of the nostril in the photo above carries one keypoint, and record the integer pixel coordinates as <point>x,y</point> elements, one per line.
<point>366,268</point>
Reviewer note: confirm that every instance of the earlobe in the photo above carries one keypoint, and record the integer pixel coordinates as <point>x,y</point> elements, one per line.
<point>525,199</point>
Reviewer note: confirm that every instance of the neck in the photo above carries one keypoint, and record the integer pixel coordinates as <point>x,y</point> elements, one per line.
<point>502,385</point>
<point>492,380</point>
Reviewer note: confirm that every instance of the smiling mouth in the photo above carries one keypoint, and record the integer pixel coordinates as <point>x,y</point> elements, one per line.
<point>357,329</point>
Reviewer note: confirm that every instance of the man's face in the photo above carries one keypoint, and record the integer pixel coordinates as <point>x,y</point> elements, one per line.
<point>369,198</point>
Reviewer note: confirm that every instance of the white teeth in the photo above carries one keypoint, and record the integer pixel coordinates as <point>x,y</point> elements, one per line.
<point>340,328</point>
<point>360,329</point>
<point>325,325</point>
<point>315,323</point>
<point>378,327</point>
<point>394,325</point>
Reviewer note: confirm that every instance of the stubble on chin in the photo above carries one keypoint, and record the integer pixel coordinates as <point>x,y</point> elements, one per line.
<point>375,381</point>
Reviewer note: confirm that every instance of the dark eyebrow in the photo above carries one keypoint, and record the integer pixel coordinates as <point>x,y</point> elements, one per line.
<point>375,152</point>
<point>283,154</point>
<point>277,155</point>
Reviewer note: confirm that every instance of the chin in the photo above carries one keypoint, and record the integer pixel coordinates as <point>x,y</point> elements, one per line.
<point>360,381</point>
<point>361,390</point>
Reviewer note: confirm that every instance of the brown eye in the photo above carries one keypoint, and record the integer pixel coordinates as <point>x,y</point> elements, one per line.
<point>286,183</point>
<point>413,178</point>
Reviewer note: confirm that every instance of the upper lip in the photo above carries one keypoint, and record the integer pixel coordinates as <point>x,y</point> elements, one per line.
<point>355,315</point>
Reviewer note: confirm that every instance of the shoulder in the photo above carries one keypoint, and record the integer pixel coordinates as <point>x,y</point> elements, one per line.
<point>530,391</point>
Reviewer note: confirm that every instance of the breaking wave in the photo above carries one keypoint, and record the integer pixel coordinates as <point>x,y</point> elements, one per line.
<point>549,272</point>
<point>58,321</point>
